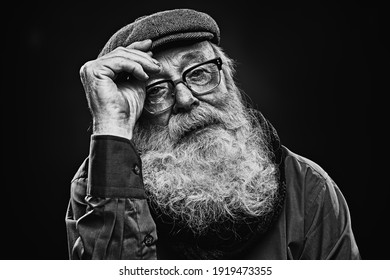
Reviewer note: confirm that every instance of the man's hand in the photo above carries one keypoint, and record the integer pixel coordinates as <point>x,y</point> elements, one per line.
<point>115,87</point>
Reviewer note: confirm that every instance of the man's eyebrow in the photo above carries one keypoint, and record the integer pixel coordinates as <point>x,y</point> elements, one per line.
<point>198,56</point>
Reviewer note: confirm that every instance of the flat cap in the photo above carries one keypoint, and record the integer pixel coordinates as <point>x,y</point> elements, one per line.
<point>165,28</point>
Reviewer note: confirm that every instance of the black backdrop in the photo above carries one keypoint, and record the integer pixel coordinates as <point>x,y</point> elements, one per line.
<point>311,71</point>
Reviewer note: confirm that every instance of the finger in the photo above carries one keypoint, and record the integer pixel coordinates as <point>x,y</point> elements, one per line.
<point>141,45</point>
<point>147,55</point>
<point>120,64</point>
<point>148,63</point>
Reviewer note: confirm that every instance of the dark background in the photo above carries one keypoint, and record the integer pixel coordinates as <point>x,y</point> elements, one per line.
<point>311,71</point>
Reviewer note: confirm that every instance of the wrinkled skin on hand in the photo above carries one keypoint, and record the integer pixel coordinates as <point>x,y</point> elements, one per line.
<point>114,85</point>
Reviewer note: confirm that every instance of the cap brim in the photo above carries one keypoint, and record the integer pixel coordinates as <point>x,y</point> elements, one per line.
<point>181,37</point>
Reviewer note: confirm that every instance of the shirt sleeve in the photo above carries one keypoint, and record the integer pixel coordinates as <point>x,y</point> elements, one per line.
<point>108,215</point>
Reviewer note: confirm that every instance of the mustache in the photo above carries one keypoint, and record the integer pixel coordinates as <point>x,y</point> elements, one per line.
<point>182,125</point>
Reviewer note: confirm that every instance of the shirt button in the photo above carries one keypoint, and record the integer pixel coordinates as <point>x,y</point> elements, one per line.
<point>148,240</point>
<point>137,170</point>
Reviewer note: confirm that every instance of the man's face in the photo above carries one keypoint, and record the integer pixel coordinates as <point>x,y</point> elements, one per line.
<point>204,162</point>
<point>175,62</point>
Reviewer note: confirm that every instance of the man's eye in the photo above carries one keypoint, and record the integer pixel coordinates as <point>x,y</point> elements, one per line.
<point>157,94</point>
<point>156,91</point>
<point>197,74</point>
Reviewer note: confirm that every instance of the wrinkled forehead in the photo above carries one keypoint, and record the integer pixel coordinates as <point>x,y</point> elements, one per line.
<point>186,54</point>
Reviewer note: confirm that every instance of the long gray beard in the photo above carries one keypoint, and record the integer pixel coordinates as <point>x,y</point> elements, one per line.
<point>208,167</point>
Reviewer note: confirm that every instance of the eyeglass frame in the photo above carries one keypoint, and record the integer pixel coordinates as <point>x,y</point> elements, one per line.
<point>217,61</point>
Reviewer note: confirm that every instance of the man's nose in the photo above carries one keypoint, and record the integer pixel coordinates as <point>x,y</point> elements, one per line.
<point>185,100</point>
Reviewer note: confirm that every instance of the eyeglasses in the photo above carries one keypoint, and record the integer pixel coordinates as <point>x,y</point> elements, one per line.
<point>200,79</point>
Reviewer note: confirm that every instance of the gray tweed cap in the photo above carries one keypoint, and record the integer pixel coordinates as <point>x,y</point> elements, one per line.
<point>166,27</point>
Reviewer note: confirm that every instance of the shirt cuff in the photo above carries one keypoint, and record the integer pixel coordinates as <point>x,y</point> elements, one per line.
<point>115,168</point>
